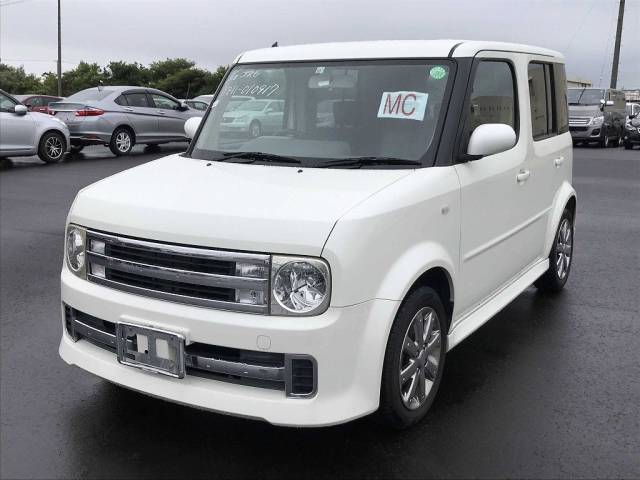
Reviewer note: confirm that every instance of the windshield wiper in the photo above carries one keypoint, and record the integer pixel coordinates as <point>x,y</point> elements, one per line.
<point>366,161</point>
<point>252,157</point>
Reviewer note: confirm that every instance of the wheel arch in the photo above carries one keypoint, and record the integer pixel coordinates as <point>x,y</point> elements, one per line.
<point>129,127</point>
<point>440,280</point>
<point>53,130</point>
<point>565,198</point>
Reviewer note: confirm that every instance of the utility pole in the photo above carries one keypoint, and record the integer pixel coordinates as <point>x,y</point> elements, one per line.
<point>60,54</point>
<point>616,50</point>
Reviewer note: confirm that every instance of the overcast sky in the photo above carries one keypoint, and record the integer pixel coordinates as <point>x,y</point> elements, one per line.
<point>213,32</point>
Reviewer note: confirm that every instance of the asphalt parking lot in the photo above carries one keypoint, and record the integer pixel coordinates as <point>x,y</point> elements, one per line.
<point>550,387</point>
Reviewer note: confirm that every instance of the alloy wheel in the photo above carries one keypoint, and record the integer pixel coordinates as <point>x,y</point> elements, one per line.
<point>564,248</point>
<point>54,148</point>
<point>420,358</point>
<point>123,142</point>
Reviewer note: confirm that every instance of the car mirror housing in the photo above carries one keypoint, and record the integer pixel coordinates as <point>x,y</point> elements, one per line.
<point>491,138</point>
<point>20,110</point>
<point>191,127</point>
<point>183,106</point>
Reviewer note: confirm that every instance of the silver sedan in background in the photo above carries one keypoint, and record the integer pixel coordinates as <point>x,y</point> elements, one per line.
<point>120,117</point>
<point>24,133</point>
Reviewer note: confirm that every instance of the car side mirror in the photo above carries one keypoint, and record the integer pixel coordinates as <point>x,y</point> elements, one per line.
<point>191,127</point>
<point>489,139</point>
<point>20,110</point>
<point>183,106</point>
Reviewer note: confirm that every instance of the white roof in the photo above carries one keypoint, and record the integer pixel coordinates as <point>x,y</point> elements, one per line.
<point>386,49</point>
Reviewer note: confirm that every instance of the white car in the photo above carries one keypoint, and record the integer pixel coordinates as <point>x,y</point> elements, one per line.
<point>24,133</point>
<point>255,117</point>
<point>319,275</point>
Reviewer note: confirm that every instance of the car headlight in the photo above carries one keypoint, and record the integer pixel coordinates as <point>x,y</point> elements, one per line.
<point>299,286</point>
<point>75,250</point>
<point>597,120</point>
<point>240,119</point>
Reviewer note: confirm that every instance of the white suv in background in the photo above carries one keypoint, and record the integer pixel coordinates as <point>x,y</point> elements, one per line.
<point>322,272</point>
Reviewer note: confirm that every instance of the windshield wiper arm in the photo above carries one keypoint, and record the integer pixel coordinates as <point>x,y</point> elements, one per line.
<point>365,161</point>
<point>257,156</point>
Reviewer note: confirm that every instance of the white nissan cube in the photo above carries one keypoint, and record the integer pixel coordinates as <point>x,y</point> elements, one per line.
<point>389,198</point>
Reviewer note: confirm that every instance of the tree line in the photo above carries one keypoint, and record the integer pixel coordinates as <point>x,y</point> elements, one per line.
<point>177,76</point>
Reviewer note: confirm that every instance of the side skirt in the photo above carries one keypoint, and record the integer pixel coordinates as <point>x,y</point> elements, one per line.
<point>479,316</point>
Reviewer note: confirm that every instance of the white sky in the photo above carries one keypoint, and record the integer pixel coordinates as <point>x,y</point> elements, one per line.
<point>214,32</point>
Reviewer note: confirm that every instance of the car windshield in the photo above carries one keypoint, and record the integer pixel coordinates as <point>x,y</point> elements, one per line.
<point>329,111</point>
<point>585,96</point>
<point>89,95</point>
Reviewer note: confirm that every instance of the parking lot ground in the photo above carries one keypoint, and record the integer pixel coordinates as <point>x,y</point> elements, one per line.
<point>549,388</point>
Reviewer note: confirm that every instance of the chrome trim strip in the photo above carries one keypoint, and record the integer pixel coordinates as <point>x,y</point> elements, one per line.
<point>173,297</point>
<point>224,255</point>
<point>240,369</point>
<point>178,275</point>
<point>93,333</point>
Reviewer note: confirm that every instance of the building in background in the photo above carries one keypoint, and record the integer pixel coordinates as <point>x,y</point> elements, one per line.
<point>632,95</point>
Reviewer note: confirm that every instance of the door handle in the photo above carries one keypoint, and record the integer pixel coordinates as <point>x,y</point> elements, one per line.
<point>522,176</point>
<point>161,112</point>
<point>127,109</point>
<point>558,161</point>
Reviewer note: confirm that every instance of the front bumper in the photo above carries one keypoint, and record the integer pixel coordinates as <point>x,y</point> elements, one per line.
<point>589,133</point>
<point>632,135</point>
<point>347,343</point>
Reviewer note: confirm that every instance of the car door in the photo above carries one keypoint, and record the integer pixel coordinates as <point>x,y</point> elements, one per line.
<point>171,118</point>
<point>17,132</point>
<point>141,114</point>
<point>550,144</point>
<point>494,242</point>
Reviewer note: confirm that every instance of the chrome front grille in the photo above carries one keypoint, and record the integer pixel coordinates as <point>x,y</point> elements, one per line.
<point>197,276</point>
<point>579,121</point>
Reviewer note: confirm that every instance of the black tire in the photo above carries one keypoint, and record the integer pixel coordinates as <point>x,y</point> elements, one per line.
<point>76,148</point>
<point>122,141</point>
<point>604,143</point>
<point>553,280</point>
<point>628,146</point>
<point>52,147</point>
<point>255,129</point>
<point>393,411</point>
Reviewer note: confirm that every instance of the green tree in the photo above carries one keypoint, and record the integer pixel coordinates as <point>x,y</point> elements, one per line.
<point>123,73</point>
<point>85,75</point>
<point>15,80</point>
<point>162,69</point>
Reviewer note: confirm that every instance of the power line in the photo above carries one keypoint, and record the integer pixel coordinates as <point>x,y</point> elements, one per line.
<point>13,2</point>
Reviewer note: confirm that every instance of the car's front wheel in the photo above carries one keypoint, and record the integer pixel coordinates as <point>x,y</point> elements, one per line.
<point>414,359</point>
<point>560,257</point>
<point>255,129</point>
<point>604,143</point>
<point>52,147</point>
<point>122,141</point>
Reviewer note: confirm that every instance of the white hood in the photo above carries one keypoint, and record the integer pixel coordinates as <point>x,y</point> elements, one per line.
<point>259,208</point>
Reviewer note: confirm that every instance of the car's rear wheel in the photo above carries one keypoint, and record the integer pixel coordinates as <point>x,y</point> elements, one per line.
<point>414,359</point>
<point>560,257</point>
<point>122,141</point>
<point>52,147</point>
<point>255,129</point>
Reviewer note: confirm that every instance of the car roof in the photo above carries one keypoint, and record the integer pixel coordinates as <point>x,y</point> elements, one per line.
<point>388,49</point>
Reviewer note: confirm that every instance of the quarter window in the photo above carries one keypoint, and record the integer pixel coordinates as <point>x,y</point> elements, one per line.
<point>121,100</point>
<point>560,90</point>
<point>493,98</point>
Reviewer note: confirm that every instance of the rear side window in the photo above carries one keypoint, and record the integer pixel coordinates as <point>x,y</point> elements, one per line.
<point>121,100</point>
<point>137,100</point>
<point>91,94</point>
<point>493,98</point>
<point>548,100</point>
<point>540,101</point>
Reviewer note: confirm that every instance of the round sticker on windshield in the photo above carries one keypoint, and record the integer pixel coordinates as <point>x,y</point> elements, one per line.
<point>437,73</point>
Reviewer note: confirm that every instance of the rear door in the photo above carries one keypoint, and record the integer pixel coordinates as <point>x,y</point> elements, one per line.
<point>550,143</point>
<point>141,114</point>
<point>170,118</point>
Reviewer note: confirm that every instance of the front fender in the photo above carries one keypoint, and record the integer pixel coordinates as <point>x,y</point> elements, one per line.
<point>562,197</point>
